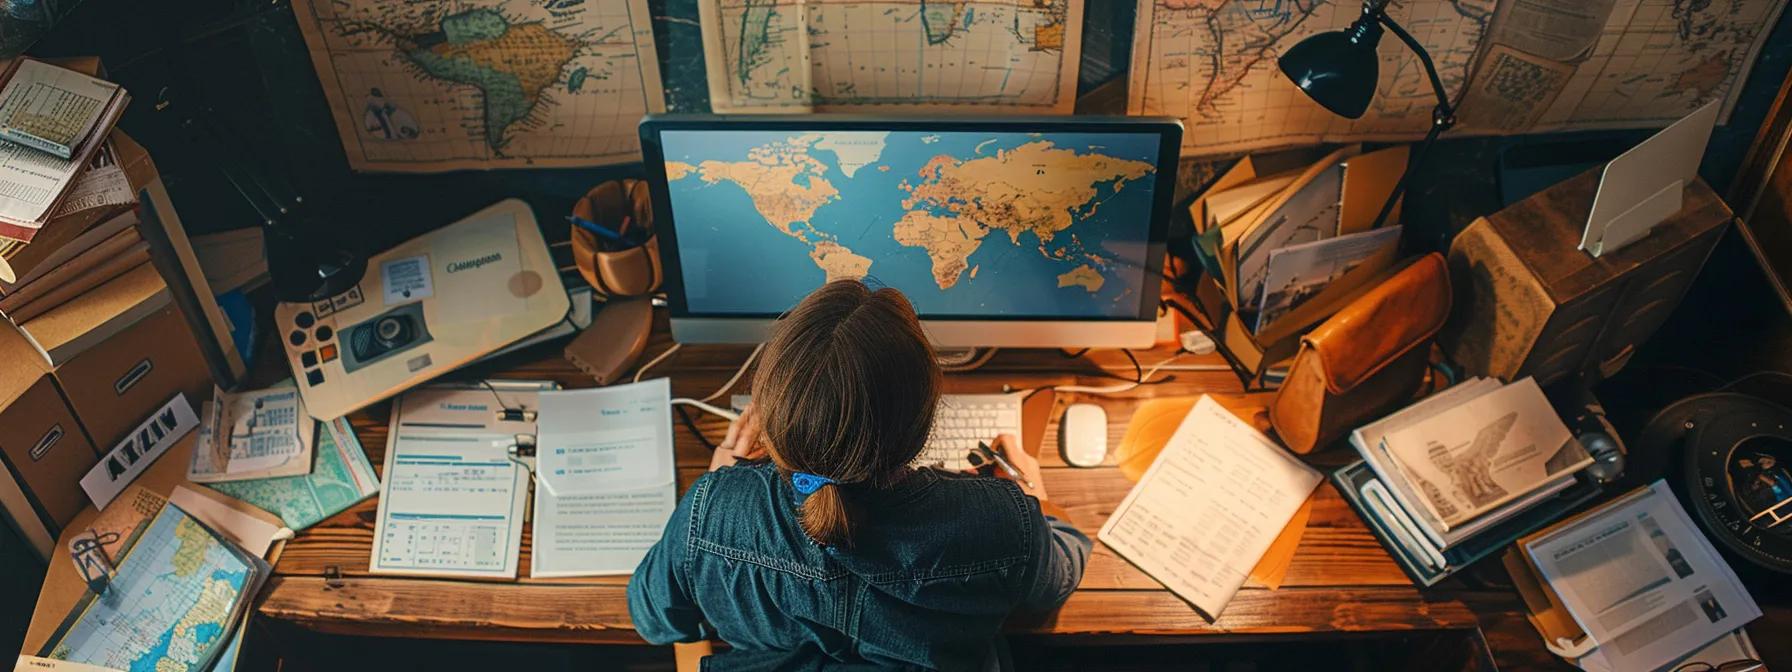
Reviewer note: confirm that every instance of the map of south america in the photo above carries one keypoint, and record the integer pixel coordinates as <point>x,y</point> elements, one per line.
<point>434,85</point>
<point>510,64</point>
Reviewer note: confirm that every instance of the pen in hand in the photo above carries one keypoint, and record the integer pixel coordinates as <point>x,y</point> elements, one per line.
<point>1004,464</point>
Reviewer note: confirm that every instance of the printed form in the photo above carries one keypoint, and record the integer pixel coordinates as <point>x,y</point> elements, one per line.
<point>452,501</point>
<point>1209,507</point>
<point>606,478</point>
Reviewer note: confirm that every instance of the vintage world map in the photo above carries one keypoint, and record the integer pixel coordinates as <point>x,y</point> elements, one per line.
<point>421,85</point>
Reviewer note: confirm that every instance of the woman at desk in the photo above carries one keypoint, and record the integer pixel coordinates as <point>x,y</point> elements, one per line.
<point>836,552</point>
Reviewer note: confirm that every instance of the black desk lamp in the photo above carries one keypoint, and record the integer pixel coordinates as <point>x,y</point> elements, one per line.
<point>1340,70</point>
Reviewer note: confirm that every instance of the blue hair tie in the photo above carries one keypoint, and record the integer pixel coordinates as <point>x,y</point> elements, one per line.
<point>808,483</point>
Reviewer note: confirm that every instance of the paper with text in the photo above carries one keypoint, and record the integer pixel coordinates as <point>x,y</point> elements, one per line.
<point>606,478</point>
<point>452,501</point>
<point>1209,507</point>
<point>1643,583</point>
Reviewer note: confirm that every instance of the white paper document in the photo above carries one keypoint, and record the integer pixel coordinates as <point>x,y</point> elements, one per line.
<point>253,435</point>
<point>104,183</point>
<point>452,501</point>
<point>606,478</point>
<point>1642,582</point>
<point>1210,506</point>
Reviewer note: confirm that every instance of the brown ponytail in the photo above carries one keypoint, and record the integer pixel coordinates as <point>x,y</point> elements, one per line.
<point>846,390</point>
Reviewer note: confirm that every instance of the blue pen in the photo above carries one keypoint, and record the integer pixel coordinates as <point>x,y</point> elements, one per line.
<point>600,231</point>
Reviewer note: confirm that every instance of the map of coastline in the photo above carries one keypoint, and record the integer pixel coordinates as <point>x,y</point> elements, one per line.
<point>428,85</point>
<point>940,197</point>
<point>169,605</point>
<point>1013,54</point>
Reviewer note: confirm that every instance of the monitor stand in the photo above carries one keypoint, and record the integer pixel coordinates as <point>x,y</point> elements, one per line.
<point>954,360</point>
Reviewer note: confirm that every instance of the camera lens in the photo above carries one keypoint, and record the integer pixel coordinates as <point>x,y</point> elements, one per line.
<point>392,328</point>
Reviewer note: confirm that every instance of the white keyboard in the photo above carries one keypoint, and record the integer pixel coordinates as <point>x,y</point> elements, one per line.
<point>961,422</point>
<point>964,420</point>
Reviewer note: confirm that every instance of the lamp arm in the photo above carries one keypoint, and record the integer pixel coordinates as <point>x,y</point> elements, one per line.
<point>1442,118</point>
<point>1437,84</point>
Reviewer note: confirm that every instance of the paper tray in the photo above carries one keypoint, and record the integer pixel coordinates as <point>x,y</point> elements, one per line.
<point>1350,479</point>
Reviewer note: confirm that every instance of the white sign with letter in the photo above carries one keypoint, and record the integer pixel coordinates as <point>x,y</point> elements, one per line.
<point>138,450</point>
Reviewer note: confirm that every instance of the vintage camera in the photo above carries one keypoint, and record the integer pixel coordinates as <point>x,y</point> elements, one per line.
<point>385,335</point>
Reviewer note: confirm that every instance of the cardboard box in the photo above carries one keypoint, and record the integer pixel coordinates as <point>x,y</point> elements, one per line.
<point>114,385</point>
<point>92,318</point>
<point>43,450</point>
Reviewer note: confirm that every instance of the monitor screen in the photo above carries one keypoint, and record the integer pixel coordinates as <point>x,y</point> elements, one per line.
<point>969,224</point>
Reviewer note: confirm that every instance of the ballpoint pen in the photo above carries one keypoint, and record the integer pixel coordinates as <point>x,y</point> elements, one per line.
<point>1004,464</point>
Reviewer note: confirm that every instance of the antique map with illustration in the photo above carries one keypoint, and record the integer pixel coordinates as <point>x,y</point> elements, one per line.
<point>835,55</point>
<point>764,217</point>
<point>431,85</point>
<point>170,606</point>
<point>1509,65</point>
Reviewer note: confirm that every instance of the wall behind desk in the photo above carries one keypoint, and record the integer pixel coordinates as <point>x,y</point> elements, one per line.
<point>248,61</point>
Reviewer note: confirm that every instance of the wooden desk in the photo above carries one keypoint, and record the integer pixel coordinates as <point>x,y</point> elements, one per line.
<point>1341,580</point>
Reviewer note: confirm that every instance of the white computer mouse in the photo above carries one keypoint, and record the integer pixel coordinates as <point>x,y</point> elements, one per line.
<point>1083,435</point>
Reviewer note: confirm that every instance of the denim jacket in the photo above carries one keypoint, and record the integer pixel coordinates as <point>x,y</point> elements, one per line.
<point>938,562</point>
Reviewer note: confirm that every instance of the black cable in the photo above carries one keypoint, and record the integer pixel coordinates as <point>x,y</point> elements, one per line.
<point>494,391</point>
<point>1138,372</point>
<point>692,425</point>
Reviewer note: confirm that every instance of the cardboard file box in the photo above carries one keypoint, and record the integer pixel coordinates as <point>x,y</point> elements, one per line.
<point>43,450</point>
<point>114,385</point>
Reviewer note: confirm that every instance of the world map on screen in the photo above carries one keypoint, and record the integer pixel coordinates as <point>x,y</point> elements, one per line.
<point>963,223</point>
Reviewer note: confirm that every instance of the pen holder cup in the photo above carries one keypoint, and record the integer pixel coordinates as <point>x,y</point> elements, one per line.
<point>634,271</point>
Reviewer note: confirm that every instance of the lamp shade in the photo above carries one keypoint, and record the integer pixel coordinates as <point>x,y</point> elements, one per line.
<point>1338,69</point>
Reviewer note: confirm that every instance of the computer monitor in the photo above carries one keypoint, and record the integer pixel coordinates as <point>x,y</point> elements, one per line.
<point>1010,232</point>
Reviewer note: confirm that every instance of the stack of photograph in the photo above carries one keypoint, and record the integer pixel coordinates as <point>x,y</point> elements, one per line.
<point>1451,479</point>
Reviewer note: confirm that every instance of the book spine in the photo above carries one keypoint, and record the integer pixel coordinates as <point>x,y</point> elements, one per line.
<point>35,288</point>
<point>99,275</point>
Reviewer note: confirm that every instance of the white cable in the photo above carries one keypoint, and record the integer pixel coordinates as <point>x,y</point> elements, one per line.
<point>988,353</point>
<point>737,374</point>
<point>1123,387</point>
<point>650,363</point>
<point>730,415</point>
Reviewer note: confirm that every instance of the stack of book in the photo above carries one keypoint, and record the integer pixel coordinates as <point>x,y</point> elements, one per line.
<point>1453,478</point>
<point>1285,240</point>
<point>53,123</point>
<point>70,264</point>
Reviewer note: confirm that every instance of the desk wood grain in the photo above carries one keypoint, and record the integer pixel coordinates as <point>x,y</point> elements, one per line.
<point>1341,580</point>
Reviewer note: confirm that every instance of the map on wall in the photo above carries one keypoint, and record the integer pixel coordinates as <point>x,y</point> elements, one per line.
<point>1212,63</point>
<point>433,85</point>
<point>831,55</point>
<point>1509,65</point>
<point>764,217</point>
<point>1633,64</point>
<point>170,606</point>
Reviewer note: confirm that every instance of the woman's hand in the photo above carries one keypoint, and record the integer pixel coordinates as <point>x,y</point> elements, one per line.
<point>1008,446</point>
<point>743,442</point>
